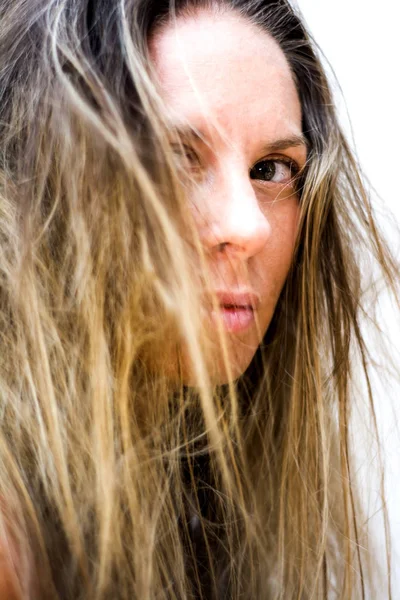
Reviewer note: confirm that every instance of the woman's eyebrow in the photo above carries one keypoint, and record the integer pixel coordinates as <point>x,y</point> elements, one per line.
<point>292,141</point>
<point>188,133</point>
<point>285,143</point>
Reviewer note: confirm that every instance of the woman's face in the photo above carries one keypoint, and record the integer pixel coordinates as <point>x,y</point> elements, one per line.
<point>231,98</point>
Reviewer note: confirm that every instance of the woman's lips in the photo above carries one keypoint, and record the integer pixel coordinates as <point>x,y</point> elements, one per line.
<point>234,318</point>
<point>236,309</point>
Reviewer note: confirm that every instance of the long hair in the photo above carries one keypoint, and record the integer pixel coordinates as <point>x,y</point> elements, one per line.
<point>114,481</point>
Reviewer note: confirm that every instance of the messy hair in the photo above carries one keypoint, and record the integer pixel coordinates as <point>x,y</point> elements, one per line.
<point>105,461</point>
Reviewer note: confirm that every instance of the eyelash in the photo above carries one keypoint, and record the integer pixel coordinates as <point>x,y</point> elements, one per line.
<point>192,157</point>
<point>292,165</point>
<point>185,151</point>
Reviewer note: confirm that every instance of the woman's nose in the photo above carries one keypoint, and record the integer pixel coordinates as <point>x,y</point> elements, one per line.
<point>233,218</point>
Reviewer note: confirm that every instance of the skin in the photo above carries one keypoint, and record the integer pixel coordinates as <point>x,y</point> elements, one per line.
<point>229,81</point>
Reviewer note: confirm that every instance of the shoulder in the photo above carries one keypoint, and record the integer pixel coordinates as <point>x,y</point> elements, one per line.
<point>9,586</point>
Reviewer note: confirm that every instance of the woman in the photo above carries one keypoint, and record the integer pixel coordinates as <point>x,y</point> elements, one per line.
<point>182,224</point>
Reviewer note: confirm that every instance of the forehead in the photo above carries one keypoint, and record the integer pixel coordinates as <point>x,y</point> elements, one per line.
<point>221,70</point>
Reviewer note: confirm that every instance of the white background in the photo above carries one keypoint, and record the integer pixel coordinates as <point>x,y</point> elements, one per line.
<point>360,39</point>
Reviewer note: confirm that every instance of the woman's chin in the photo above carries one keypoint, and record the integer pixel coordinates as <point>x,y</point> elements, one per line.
<point>217,370</point>
<point>215,364</point>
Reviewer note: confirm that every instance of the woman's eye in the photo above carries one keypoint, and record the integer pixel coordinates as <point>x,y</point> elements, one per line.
<point>275,171</point>
<point>186,156</point>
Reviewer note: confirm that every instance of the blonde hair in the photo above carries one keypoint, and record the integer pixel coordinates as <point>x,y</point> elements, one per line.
<point>105,462</point>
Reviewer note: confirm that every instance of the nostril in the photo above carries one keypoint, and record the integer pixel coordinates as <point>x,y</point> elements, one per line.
<point>221,247</point>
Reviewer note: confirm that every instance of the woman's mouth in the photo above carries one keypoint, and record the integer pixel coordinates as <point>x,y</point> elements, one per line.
<point>234,318</point>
